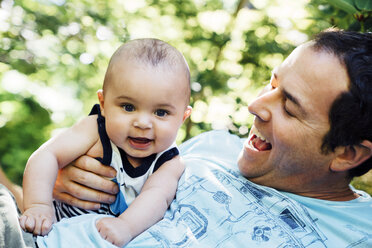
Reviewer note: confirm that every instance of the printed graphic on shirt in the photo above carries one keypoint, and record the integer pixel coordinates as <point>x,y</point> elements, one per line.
<point>265,218</point>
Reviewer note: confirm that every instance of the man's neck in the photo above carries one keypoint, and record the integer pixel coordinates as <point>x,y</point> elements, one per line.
<point>341,195</point>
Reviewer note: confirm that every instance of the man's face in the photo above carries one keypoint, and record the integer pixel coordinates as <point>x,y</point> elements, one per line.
<point>283,149</point>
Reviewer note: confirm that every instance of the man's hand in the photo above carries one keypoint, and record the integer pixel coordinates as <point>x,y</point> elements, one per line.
<point>38,219</point>
<point>86,184</point>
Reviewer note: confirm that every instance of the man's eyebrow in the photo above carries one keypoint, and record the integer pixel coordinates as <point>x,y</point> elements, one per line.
<point>293,99</point>
<point>288,95</point>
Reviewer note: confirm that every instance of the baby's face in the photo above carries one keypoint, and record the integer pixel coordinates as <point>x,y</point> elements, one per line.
<point>144,107</point>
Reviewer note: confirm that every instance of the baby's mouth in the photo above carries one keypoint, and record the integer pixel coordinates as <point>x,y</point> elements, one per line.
<point>140,142</point>
<point>258,141</point>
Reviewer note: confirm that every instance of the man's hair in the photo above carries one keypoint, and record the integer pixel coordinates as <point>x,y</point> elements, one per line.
<point>150,52</point>
<point>350,115</point>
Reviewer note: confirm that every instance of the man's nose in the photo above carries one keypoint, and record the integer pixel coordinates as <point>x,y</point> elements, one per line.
<point>262,106</point>
<point>143,121</point>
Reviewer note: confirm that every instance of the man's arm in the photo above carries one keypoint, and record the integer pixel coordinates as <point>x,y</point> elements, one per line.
<point>86,184</point>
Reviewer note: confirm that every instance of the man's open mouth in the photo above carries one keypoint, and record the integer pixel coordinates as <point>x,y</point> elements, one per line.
<point>258,142</point>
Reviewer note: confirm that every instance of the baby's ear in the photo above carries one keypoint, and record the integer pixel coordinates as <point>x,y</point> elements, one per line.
<point>352,156</point>
<point>187,113</point>
<point>101,100</point>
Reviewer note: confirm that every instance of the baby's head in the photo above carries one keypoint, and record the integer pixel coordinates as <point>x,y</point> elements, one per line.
<point>153,54</point>
<point>145,96</point>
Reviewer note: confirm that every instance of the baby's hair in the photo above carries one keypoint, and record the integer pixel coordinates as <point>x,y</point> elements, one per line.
<point>151,52</point>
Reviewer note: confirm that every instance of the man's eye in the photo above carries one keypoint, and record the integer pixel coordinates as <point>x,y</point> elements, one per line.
<point>161,112</point>
<point>128,107</point>
<point>288,113</point>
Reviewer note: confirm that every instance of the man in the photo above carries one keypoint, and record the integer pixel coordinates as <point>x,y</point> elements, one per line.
<point>290,147</point>
<point>311,135</point>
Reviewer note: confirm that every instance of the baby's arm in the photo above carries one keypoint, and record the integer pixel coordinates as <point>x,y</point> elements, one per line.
<point>42,168</point>
<point>147,209</point>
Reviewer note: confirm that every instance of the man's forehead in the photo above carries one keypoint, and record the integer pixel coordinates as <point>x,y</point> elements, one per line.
<point>297,54</point>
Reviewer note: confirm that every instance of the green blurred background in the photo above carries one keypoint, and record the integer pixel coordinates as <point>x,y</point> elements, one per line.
<point>53,56</point>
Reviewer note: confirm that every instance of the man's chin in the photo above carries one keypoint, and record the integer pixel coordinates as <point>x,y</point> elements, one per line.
<point>241,160</point>
<point>252,170</point>
<point>243,166</point>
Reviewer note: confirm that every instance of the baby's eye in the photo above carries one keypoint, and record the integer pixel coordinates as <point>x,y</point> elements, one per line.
<point>128,107</point>
<point>161,112</point>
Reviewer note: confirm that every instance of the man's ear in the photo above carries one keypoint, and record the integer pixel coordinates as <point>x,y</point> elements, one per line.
<point>187,113</point>
<point>101,100</point>
<point>352,156</point>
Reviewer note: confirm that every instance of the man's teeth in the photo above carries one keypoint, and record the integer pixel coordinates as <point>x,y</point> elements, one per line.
<point>259,135</point>
<point>258,141</point>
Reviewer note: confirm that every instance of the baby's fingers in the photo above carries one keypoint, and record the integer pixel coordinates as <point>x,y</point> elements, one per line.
<point>46,226</point>
<point>22,221</point>
<point>100,225</point>
<point>42,226</point>
<point>27,223</point>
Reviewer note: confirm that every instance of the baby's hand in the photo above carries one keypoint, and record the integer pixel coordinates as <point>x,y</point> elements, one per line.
<point>114,230</point>
<point>38,219</point>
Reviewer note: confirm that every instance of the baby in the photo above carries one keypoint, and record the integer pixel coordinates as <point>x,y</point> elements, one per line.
<point>143,103</point>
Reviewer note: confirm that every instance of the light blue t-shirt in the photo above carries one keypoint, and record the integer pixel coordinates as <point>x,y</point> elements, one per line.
<point>216,207</point>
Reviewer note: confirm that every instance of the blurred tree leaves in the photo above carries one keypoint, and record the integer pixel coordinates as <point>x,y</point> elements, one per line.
<point>26,128</point>
<point>346,14</point>
<point>54,53</point>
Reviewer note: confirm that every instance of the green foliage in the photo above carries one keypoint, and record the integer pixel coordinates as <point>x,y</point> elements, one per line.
<point>352,6</point>
<point>346,14</point>
<point>346,5</point>
<point>25,129</point>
